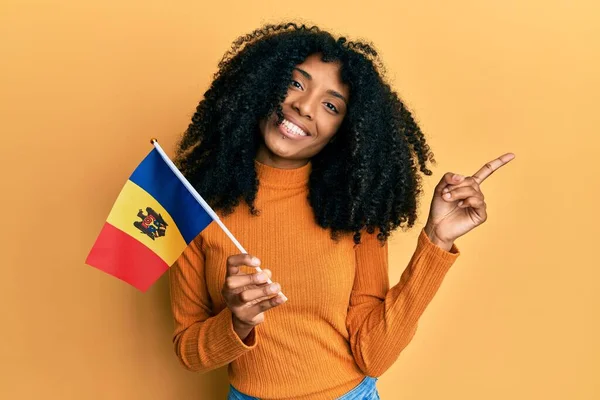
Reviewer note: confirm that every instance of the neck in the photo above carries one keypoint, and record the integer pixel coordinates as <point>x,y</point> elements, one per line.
<point>263,155</point>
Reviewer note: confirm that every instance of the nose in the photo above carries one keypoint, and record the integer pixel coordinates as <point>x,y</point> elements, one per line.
<point>303,105</point>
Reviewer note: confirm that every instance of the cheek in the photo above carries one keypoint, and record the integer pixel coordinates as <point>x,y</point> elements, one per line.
<point>329,127</point>
<point>265,124</point>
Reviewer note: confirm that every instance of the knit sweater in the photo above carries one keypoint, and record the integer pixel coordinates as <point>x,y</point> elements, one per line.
<point>342,320</point>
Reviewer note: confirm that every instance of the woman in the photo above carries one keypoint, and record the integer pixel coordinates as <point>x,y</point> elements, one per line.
<point>303,128</point>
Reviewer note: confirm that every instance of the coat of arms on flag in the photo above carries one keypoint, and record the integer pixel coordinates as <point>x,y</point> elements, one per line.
<point>152,224</point>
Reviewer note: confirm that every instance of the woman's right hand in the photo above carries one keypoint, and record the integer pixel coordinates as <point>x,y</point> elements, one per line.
<point>248,296</point>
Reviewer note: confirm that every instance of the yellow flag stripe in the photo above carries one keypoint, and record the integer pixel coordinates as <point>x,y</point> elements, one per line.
<point>168,243</point>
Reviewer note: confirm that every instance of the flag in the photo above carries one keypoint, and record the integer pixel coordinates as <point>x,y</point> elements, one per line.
<point>152,221</point>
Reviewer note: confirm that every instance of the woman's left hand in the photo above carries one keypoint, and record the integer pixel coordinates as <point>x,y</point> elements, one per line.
<point>458,205</point>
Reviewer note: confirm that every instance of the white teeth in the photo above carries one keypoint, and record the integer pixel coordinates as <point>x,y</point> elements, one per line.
<point>293,128</point>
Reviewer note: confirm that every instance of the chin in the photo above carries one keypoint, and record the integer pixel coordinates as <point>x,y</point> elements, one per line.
<point>281,145</point>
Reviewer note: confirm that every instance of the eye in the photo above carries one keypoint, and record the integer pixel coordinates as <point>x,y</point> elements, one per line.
<point>332,108</point>
<point>296,84</point>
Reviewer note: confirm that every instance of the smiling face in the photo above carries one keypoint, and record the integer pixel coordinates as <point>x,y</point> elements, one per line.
<point>313,110</point>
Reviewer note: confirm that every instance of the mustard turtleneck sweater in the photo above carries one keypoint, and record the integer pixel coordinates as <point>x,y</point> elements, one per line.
<point>342,320</point>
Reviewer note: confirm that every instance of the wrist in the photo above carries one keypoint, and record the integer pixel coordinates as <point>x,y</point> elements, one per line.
<point>242,329</point>
<point>433,238</point>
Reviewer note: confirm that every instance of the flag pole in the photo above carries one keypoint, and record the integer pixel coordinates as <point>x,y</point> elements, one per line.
<point>200,200</point>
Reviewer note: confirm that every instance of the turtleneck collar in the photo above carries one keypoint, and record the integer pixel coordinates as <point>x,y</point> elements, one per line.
<point>281,177</point>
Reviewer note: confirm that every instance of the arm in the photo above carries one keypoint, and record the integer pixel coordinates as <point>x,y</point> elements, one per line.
<point>382,321</point>
<point>203,340</point>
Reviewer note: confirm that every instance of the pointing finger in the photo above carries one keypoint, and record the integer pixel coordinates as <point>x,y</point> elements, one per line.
<point>491,167</point>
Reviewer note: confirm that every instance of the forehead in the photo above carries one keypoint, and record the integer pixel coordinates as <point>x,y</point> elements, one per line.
<point>326,73</point>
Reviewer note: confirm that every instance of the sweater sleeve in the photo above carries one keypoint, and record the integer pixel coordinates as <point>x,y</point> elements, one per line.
<point>382,321</point>
<point>203,340</point>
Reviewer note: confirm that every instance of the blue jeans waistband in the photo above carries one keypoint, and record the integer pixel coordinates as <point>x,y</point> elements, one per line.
<point>365,390</point>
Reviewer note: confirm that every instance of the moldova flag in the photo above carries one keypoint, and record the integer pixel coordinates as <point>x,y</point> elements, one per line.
<point>152,221</point>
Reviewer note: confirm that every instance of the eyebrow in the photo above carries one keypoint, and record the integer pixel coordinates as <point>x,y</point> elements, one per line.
<point>330,91</point>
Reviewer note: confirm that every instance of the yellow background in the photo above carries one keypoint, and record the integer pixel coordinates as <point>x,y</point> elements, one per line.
<point>84,85</point>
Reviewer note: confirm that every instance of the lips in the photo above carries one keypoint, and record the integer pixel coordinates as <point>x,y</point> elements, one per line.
<point>298,124</point>
<point>289,133</point>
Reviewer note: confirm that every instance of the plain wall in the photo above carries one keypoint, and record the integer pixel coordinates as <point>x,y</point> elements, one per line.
<point>84,85</point>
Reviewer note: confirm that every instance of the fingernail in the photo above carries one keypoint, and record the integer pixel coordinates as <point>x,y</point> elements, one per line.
<point>457,177</point>
<point>255,261</point>
<point>261,277</point>
<point>274,288</point>
<point>447,195</point>
<point>283,297</point>
<point>446,190</point>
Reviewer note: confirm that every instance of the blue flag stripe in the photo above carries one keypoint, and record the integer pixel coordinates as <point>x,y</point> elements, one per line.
<point>155,177</point>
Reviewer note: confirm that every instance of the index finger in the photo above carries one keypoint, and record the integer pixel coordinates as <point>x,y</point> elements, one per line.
<point>234,262</point>
<point>492,167</point>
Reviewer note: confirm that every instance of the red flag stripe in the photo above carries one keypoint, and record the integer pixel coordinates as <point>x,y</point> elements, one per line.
<point>120,255</point>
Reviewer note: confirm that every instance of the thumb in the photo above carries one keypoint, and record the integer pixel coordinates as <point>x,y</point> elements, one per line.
<point>448,179</point>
